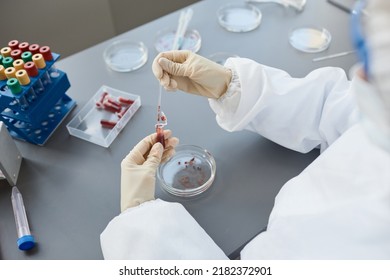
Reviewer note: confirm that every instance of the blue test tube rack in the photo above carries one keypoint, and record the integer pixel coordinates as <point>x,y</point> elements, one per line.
<point>44,114</point>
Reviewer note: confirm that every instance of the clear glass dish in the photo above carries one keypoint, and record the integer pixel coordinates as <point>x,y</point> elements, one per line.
<point>164,40</point>
<point>125,55</point>
<point>190,172</point>
<point>221,57</point>
<point>239,17</point>
<point>310,39</point>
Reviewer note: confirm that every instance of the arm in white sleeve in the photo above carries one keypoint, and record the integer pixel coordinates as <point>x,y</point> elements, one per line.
<point>297,113</point>
<point>157,230</point>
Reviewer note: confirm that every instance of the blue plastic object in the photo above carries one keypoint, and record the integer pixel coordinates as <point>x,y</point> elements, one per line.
<point>43,115</point>
<point>26,242</point>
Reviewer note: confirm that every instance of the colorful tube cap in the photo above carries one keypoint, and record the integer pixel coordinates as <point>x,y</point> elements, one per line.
<point>26,242</point>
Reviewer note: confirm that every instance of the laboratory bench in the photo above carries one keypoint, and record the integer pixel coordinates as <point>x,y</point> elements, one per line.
<point>71,187</point>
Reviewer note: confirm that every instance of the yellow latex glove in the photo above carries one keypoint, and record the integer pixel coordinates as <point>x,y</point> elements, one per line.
<point>189,72</point>
<point>138,169</point>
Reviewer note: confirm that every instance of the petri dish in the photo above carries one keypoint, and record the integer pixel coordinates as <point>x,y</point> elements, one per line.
<point>239,17</point>
<point>190,172</point>
<point>164,40</point>
<point>125,55</point>
<point>221,57</point>
<point>310,39</point>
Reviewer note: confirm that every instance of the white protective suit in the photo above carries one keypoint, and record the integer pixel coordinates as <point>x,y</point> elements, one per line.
<point>337,208</point>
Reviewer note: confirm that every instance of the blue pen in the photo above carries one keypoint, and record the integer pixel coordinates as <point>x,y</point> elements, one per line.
<point>25,240</point>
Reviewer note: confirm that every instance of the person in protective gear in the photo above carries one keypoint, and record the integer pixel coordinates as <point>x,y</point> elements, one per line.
<point>337,208</point>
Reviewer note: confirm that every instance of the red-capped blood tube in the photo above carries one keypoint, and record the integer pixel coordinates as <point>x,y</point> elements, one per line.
<point>32,71</point>
<point>123,111</point>
<point>108,124</point>
<point>99,103</point>
<point>13,44</point>
<point>125,100</point>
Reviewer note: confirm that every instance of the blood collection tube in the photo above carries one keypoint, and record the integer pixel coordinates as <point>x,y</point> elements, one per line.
<point>25,240</point>
<point>41,64</point>
<point>6,51</point>
<point>18,64</point>
<point>16,90</point>
<point>26,56</point>
<point>48,56</point>
<point>7,61</point>
<point>24,46</point>
<point>34,48</point>
<point>24,80</point>
<point>160,134</point>
<point>13,44</point>
<point>16,54</point>
<point>32,71</point>
<point>2,73</point>
<point>10,72</point>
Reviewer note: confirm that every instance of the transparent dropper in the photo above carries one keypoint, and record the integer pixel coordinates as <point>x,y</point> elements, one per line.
<point>185,17</point>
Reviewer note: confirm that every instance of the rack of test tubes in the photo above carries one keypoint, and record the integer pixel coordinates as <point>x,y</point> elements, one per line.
<point>33,102</point>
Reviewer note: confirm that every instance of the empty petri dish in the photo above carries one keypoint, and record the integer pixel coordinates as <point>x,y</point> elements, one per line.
<point>221,57</point>
<point>239,17</point>
<point>190,172</point>
<point>310,39</point>
<point>164,40</point>
<point>125,55</point>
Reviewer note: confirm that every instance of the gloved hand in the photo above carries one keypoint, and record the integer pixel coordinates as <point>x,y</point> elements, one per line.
<point>192,73</point>
<point>139,167</point>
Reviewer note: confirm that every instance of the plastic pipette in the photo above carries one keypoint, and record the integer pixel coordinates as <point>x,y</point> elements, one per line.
<point>25,240</point>
<point>185,17</point>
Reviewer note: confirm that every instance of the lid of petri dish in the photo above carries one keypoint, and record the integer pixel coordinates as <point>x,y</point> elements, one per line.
<point>164,40</point>
<point>239,17</point>
<point>310,39</point>
<point>221,57</point>
<point>125,55</point>
<point>190,172</point>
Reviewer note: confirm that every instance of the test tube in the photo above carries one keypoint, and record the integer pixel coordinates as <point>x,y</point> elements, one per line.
<point>10,72</point>
<point>34,48</point>
<point>7,61</point>
<point>6,51</point>
<point>25,240</point>
<point>2,73</point>
<point>14,85</point>
<point>24,46</point>
<point>24,80</point>
<point>160,134</point>
<point>13,44</point>
<point>16,54</point>
<point>18,64</point>
<point>41,64</point>
<point>26,56</point>
<point>32,71</point>
<point>47,55</point>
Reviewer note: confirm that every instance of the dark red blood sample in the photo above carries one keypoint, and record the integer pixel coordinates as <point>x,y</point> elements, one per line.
<point>125,100</point>
<point>108,124</point>
<point>160,135</point>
